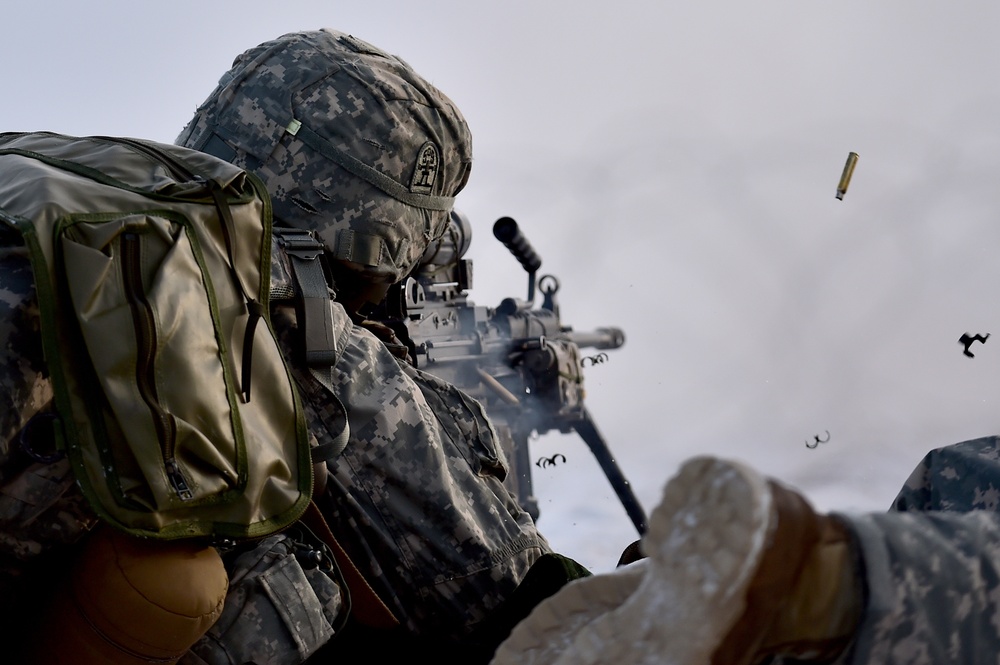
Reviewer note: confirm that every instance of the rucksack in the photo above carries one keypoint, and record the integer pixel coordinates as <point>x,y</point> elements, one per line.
<point>152,265</point>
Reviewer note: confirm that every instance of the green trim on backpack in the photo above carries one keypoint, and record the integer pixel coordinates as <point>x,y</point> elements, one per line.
<point>151,265</point>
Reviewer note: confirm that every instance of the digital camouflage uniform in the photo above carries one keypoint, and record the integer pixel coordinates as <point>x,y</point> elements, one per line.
<point>416,498</point>
<point>42,511</point>
<point>417,495</point>
<point>932,564</point>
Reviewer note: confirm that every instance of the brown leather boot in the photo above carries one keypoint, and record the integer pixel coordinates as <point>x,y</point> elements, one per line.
<point>738,569</point>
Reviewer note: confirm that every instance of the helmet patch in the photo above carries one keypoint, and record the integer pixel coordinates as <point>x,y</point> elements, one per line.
<point>426,169</point>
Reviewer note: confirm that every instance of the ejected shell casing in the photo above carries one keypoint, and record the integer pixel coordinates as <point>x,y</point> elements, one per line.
<point>845,178</point>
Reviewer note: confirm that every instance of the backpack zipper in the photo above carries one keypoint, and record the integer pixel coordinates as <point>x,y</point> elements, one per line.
<point>145,330</point>
<point>255,310</point>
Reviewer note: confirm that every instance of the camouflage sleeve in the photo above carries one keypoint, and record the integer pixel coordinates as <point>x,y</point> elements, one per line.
<point>278,610</point>
<point>417,498</point>
<point>957,478</point>
<point>41,508</point>
<point>932,566</point>
<point>933,588</point>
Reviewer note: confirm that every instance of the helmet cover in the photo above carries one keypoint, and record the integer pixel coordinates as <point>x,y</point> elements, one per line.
<point>350,141</point>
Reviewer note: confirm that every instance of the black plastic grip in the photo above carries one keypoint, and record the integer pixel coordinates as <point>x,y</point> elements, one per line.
<point>506,231</point>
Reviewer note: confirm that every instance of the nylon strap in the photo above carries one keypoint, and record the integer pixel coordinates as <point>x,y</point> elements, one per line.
<point>362,248</point>
<point>304,251</point>
<point>370,175</point>
<point>329,451</point>
<point>366,606</point>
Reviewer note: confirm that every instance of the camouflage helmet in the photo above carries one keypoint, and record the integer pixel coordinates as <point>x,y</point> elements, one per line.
<point>350,142</point>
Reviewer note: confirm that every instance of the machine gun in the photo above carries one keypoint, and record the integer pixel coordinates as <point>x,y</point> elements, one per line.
<point>521,363</point>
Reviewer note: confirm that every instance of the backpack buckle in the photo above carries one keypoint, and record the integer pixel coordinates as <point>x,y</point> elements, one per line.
<point>299,243</point>
<point>305,254</point>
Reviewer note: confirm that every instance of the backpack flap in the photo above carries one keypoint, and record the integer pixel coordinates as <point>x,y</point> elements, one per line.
<point>152,272</point>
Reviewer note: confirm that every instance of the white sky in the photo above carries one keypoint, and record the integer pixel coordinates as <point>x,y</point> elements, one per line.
<point>675,165</point>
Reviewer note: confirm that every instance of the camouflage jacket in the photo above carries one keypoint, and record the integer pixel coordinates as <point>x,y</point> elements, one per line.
<point>41,509</point>
<point>932,564</point>
<point>417,497</point>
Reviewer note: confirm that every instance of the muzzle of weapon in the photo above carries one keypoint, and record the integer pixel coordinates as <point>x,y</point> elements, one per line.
<point>601,338</point>
<point>541,354</point>
<point>527,324</point>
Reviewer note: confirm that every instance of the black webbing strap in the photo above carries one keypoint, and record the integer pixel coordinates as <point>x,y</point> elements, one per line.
<point>304,252</point>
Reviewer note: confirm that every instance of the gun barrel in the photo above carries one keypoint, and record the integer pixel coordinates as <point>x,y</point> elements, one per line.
<point>602,338</point>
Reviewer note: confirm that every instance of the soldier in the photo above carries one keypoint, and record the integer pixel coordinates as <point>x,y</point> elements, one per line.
<point>355,146</point>
<point>742,570</point>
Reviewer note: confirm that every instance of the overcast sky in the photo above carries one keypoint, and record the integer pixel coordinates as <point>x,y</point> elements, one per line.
<point>675,165</point>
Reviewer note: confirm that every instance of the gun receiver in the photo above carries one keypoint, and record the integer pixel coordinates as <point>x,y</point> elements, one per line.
<point>520,362</point>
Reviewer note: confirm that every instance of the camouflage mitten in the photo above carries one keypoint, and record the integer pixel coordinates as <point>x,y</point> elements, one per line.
<point>737,569</point>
